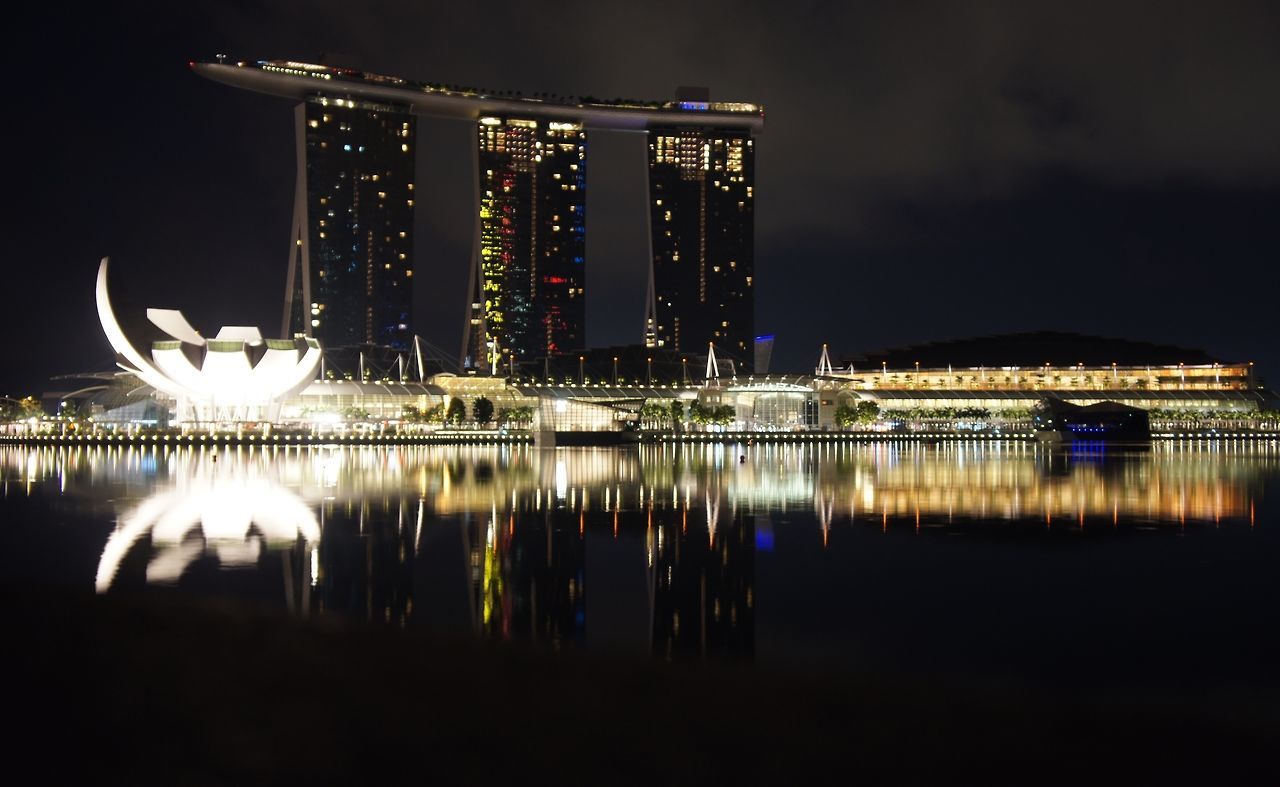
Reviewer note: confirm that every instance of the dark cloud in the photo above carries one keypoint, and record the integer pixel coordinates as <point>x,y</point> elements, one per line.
<point>931,149</point>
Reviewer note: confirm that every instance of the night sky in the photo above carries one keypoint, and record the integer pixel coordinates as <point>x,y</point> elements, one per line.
<point>927,171</point>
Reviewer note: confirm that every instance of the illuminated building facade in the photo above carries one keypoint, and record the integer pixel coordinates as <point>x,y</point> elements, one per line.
<point>350,279</point>
<point>702,228</point>
<point>531,277</point>
<point>528,281</point>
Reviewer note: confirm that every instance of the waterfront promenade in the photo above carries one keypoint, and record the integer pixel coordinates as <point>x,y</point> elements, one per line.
<point>494,437</point>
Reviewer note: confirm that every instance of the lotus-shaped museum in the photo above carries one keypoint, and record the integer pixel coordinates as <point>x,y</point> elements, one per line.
<point>235,376</point>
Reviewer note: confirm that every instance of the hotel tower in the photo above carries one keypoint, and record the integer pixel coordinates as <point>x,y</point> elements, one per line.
<point>350,269</point>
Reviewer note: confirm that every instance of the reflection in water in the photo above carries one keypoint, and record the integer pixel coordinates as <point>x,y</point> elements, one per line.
<point>655,546</point>
<point>226,511</point>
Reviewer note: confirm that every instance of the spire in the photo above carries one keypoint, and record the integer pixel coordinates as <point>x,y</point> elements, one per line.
<point>713,368</point>
<point>824,362</point>
<point>417,353</point>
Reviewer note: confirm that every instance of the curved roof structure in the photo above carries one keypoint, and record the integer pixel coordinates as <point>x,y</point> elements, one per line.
<point>232,376</point>
<point>291,79</point>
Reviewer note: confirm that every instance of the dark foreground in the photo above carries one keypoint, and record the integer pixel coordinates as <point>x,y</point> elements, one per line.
<point>169,691</point>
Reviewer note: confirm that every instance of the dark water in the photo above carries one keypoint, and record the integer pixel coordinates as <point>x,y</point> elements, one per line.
<point>989,560</point>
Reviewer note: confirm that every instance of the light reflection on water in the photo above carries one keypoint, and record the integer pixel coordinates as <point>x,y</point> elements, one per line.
<point>658,546</point>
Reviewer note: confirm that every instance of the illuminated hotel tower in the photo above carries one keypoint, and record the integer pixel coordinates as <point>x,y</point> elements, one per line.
<point>527,284</point>
<point>351,257</point>
<point>702,229</point>
<point>530,279</point>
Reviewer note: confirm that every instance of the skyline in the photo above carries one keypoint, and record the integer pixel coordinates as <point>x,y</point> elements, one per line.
<point>897,183</point>
<point>528,266</point>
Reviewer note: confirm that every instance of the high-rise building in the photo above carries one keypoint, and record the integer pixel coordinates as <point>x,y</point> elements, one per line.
<point>531,277</point>
<point>701,191</point>
<point>350,278</point>
<point>528,284</point>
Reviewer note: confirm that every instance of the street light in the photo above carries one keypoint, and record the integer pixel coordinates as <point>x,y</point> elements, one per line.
<point>582,378</point>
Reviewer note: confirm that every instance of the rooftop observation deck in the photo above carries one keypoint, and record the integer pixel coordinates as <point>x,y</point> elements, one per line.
<point>294,80</point>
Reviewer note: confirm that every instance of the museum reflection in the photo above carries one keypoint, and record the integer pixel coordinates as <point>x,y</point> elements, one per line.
<point>650,548</point>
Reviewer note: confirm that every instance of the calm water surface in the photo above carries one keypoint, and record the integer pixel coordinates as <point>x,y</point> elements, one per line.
<point>999,560</point>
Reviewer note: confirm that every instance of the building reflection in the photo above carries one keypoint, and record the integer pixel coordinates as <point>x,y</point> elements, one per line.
<point>703,585</point>
<point>655,546</point>
<point>528,575</point>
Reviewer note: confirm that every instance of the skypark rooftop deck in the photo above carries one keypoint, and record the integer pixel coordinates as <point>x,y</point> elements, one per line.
<point>295,80</point>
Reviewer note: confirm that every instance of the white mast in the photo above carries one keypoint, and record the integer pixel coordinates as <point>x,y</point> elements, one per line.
<point>824,362</point>
<point>713,368</point>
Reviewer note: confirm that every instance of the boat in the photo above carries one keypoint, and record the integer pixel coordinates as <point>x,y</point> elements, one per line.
<point>1058,421</point>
